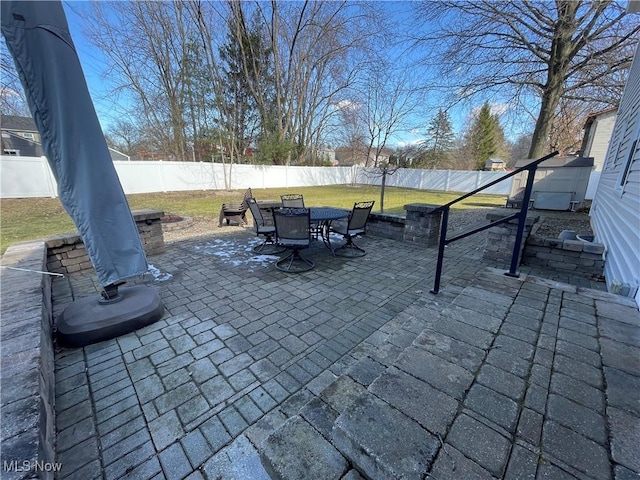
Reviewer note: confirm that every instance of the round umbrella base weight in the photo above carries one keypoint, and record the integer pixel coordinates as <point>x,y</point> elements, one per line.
<point>88,320</point>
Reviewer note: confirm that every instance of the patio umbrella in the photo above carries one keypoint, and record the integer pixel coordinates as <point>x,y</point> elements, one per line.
<point>37,35</point>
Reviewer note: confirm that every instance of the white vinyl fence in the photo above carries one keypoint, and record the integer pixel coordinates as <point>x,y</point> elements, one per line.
<point>31,177</point>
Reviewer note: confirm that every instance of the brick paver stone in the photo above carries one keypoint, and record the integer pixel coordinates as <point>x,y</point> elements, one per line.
<point>296,451</point>
<point>383,442</point>
<point>480,443</point>
<point>431,408</point>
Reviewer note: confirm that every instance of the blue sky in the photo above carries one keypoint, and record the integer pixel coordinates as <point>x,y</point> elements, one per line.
<point>94,66</point>
<point>91,60</point>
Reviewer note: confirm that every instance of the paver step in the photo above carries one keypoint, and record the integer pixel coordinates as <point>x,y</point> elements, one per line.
<point>329,427</point>
<point>376,417</point>
<point>427,400</point>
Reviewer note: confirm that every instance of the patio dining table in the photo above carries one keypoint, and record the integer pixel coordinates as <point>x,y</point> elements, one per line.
<point>323,216</point>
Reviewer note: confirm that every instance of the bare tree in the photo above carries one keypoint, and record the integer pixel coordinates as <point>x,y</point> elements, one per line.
<point>576,49</point>
<point>351,134</point>
<point>124,136</point>
<point>147,45</point>
<point>387,99</point>
<point>567,126</point>
<point>311,43</point>
<point>12,99</point>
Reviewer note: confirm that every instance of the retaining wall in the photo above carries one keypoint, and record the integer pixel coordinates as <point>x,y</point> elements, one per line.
<point>418,226</point>
<point>27,376</point>
<point>67,253</point>
<point>386,225</point>
<point>501,239</point>
<point>565,256</point>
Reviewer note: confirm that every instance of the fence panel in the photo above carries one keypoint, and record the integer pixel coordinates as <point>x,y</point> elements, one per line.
<point>31,177</point>
<point>25,177</point>
<point>436,180</point>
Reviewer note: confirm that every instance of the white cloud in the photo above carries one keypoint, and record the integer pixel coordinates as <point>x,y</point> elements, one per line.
<point>410,143</point>
<point>346,105</point>
<point>496,108</point>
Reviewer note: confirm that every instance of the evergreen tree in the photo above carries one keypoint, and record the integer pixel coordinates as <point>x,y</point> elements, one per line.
<point>239,114</point>
<point>485,138</point>
<point>440,141</point>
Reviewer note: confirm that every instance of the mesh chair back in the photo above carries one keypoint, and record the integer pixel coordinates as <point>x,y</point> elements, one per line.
<point>360,215</point>
<point>292,226</point>
<point>292,200</point>
<point>258,221</point>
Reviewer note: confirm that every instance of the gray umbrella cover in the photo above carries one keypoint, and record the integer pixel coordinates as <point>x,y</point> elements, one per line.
<point>38,37</point>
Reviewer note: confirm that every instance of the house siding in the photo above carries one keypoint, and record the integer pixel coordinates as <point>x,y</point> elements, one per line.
<point>615,213</point>
<point>599,135</point>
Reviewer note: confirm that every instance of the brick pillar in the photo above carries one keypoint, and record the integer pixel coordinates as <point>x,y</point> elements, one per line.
<point>150,230</point>
<point>421,225</point>
<point>502,238</point>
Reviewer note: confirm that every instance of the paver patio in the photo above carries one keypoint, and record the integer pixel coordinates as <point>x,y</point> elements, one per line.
<point>353,370</point>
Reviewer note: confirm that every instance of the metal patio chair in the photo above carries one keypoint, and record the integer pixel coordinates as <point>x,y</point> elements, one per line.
<point>264,228</point>
<point>354,226</point>
<point>292,200</point>
<point>294,233</point>
<point>296,200</point>
<point>515,200</point>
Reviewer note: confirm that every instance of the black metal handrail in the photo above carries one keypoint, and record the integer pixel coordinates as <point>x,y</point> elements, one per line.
<point>521,216</point>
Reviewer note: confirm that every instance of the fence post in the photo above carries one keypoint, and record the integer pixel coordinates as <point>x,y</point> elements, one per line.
<point>49,178</point>
<point>164,188</point>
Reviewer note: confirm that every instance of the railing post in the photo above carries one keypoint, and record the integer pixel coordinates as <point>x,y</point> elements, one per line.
<point>441,245</point>
<point>522,217</point>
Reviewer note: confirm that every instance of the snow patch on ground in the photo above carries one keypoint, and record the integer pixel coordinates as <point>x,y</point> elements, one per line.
<point>237,254</point>
<point>158,275</point>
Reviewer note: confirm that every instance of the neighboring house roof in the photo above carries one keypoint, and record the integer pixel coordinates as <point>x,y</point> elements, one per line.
<point>13,123</point>
<point>116,155</point>
<point>494,161</point>
<point>25,147</point>
<point>593,116</point>
<point>384,153</point>
<point>30,148</point>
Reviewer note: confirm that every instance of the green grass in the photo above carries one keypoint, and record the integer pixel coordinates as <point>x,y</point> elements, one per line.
<point>32,218</point>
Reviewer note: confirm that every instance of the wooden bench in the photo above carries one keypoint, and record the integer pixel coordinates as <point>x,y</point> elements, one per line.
<point>515,201</point>
<point>235,211</point>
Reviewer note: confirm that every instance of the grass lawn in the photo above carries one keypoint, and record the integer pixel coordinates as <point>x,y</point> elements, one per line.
<point>24,219</point>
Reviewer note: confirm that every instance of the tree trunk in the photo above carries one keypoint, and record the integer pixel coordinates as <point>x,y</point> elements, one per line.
<point>539,140</point>
<point>560,57</point>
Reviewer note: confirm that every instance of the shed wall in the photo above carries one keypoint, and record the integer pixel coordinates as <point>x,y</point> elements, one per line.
<point>573,180</point>
<point>599,137</point>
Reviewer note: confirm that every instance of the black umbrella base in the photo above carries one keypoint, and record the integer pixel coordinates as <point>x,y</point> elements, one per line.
<point>88,320</point>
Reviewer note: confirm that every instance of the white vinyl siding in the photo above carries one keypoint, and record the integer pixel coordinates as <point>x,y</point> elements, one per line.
<point>615,212</point>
